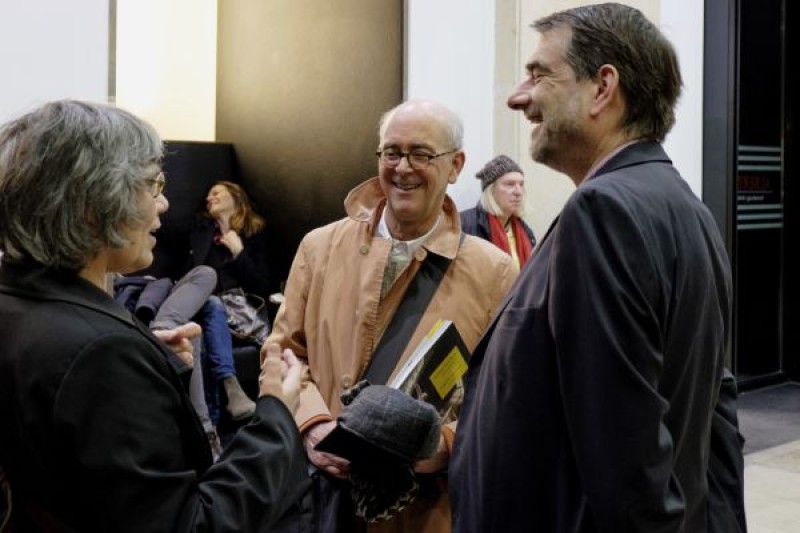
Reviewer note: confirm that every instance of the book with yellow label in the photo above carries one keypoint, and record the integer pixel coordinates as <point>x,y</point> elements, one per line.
<point>434,371</point>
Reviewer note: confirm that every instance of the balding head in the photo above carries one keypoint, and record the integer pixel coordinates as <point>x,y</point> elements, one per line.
<point>446,118</point>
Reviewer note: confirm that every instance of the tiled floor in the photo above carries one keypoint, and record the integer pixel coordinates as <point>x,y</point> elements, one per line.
<point>772,489</point>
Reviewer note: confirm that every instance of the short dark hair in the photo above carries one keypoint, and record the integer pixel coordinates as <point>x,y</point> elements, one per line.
<point>71,178</point>
<point>620,35</point>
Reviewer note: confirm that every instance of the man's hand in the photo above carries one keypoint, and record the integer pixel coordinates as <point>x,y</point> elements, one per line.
<point>438,461</point>
<point>282,375</point>
<point>332,464</point>
<point>179,340</point>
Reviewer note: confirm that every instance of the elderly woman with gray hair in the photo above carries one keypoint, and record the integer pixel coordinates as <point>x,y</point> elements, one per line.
<point>98,430</point>
<point>498,216</point>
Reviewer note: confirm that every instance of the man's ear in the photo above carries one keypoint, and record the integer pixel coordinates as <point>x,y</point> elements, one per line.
<point>607,88</point>
<point>458,165</point>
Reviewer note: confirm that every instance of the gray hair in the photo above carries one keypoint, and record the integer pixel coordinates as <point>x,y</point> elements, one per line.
<point>71,178</point>
<point>447,118</point>
<point>649,74</point>
<point>489,204</point>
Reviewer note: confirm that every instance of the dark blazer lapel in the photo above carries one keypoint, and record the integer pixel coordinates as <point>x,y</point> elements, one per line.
<point>481,346</point>
<point>635,154</point>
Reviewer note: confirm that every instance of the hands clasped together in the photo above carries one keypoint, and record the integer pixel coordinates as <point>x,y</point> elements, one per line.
<point>282,374</point>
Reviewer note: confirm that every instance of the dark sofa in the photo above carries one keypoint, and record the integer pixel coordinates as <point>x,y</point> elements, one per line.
<point>191,168</point>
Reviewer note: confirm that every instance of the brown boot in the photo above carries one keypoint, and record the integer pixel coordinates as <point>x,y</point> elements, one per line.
<point>239,405</point>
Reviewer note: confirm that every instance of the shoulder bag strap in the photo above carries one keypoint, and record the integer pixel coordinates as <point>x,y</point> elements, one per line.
<point>405,319</point>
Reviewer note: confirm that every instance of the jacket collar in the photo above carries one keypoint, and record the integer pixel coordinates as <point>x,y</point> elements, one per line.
<point>633,154</point>
<point>365,204</point>
<point>34,281</point>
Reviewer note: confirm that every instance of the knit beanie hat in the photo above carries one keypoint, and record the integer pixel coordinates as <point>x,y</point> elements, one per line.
<point>495,169</point>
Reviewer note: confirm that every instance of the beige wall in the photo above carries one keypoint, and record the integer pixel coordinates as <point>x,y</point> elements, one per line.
<point>301,86</point>
<point>165,52</point>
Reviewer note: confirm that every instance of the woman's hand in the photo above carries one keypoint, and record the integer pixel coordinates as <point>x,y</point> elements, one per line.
<point>232,242</point>
<point>282,376</point>
<point>179,340</point>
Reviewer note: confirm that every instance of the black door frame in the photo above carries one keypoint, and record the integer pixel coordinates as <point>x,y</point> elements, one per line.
<point>720,137</point>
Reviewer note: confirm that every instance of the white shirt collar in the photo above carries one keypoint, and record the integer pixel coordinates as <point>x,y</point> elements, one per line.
<point>382,230</point>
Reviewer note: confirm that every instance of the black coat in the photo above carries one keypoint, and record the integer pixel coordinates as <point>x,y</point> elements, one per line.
<point>475,221</point>
<point>98,431</point>
<point>250,270</point>
<point>726,513</point>
<point>589,399</point>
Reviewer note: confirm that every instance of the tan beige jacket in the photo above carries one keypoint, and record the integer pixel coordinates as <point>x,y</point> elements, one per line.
<point>333,317</point>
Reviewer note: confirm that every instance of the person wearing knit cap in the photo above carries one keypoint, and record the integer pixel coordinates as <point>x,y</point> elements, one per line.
<point>498,215</point>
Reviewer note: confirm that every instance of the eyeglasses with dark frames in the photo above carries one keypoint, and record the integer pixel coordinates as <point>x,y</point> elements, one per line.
<point>417,159</point>
<point>157,184</point>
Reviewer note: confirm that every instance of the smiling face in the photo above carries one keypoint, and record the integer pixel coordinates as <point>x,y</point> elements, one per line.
<point>556,104</point>
<point>219,202</point>
<point>415,197</point>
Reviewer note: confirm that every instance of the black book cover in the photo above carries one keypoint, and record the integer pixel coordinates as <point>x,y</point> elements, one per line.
<point>434,371</point>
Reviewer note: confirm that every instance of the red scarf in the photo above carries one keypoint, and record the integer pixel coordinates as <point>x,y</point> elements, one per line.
<point>499,238</point>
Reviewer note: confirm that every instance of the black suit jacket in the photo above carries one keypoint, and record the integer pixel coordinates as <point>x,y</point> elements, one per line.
<point>98,431</point>
<point>589,399</point>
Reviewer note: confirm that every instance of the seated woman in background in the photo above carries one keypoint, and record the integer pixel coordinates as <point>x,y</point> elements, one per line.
<point>99,433</point>
<point>163,304</point>
<point>229,237</point>
<point>498,216</point>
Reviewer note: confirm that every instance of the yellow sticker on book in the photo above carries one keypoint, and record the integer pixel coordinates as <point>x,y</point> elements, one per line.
<point>447,374</point>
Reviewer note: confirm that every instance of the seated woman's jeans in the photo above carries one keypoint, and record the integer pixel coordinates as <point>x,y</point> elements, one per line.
<point>217,358</point>
<point>185,300</point>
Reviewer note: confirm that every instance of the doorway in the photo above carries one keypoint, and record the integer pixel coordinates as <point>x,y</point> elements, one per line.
<point>747,158</point>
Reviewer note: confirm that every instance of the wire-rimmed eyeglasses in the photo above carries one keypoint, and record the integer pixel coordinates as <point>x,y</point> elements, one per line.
<point>418,160</point>
<point>156,184</point>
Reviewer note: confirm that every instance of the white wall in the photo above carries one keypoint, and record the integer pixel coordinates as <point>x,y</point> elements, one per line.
<point>682,22</point>
<point>470,54</point>
<point>52,49</point>
<point>450,58</point>
<point>455,53</point>
<point>167,65</point>
<point>166,57</point>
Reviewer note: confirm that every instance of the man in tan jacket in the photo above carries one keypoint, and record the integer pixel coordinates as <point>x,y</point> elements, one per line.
<point>349,277</point>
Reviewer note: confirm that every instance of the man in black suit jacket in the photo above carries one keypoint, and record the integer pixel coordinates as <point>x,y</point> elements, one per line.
<point>589,399</point>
